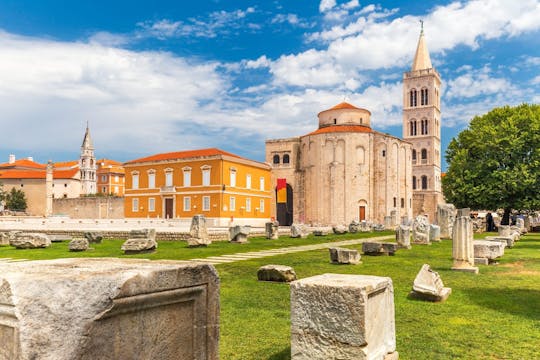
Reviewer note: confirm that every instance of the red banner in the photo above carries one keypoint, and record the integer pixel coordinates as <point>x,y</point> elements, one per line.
<point>281,191</point>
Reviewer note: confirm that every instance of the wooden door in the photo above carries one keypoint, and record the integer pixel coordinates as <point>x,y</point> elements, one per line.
<point>362,215</point>
<point>169,213</point>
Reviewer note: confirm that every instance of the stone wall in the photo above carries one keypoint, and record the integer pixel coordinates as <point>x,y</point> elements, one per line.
<point>90,207</point>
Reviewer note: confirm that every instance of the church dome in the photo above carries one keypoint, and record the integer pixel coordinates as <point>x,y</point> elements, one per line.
<point>344,114</point>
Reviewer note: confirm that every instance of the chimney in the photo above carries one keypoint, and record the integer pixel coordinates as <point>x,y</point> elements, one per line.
<point>30,158</point>
<point>11,158</point>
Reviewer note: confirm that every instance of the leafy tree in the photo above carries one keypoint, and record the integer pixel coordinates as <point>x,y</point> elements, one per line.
<point>495,162</point>
<point>16,200</point>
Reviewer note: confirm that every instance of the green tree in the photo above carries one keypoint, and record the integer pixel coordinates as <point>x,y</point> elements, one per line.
<point>16,200</point>
<point>495,162</point>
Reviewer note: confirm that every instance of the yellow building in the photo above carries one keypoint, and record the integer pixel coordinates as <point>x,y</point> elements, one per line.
<point>211,182</point>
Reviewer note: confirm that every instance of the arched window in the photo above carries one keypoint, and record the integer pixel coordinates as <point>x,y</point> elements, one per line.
<point>286,159</point>
<point>411,132</point>
<point>424,182</point>
<point>424,154</point>
<point>276,159</point>
<point>414,182</point>
<point>414,156</point>
<point>424,96</point>
<point>413,98</point>
<point>414,127</point>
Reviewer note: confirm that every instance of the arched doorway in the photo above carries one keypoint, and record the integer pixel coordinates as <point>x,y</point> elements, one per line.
<point>285,209</point>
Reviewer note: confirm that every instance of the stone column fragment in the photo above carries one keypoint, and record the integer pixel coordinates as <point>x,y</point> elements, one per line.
<point>462,245</point>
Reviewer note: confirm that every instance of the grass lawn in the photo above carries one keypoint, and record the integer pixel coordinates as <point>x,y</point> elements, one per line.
<point>492,315</point>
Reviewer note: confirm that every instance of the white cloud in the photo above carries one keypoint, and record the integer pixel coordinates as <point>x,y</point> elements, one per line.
<point>477,82</point>
<point>261,62</point>
<point>291,19</point>
<point>536,80</point>
<point>326,5</point>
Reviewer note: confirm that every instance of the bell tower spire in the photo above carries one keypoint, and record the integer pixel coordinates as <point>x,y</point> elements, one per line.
<point>422,128</point>
<point>87,165</point>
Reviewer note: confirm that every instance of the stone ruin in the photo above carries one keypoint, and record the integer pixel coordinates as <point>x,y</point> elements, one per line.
<point>379,248</point>
<point>140,242</point>
<point>272,230</point>
<point>239,234</point>
<point>434,233</point>
<point>93,237</point>
<point>487,252</point>
<point>354,227</point>
<point>198,232</point>
<point>420,230</point>
<point>276,273</point>
<point>78,244</point>
<point>4,238</point>
<point>344,256</point>
<point>507,240</point>
<point>352,315</point>
<point>339,229</point>
<point>428,285</point>
<point>23,240</point>
<point>108,309</point>
<point>403,236</point>
<point>299,231</point>
<point>321,231</point>
<point>446,215</point>
<point>462,243</point>
<point>60,238</point>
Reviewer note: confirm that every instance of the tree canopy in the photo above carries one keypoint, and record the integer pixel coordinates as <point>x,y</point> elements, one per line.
<point>495,162</point>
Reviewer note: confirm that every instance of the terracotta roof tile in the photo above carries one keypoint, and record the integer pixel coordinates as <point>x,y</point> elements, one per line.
<point>23,163</point>
<point>36,174</point>
<point>183,155</point>
<point>66,164</point>
<point>344,105</point>
<point>341,128</point>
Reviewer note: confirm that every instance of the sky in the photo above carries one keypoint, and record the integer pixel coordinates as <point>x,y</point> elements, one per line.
<point>158,76</point>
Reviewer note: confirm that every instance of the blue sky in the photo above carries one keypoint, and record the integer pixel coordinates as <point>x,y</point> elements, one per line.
<point>162,76</point>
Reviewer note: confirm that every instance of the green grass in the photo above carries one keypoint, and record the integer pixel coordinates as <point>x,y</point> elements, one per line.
<point>492,315</point>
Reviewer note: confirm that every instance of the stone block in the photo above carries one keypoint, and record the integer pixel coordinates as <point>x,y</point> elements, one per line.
<point>277,273</point>
<point>481,261</point>
<point>508,240</point>
<point>339,229</point>
<point>354,227</point>
<point>320,231</point>
<point>143,234</point>
<point>139,246</point>
<point>378,227</point>
<point>428,285</point>
<point>93,237</point>
<point>60,238</point>
<point>23,240</point>
<point>239,234</point>
<point>420,230</point>
<point>344,256</point>
<point>446,215</point>
<point>108,309</point>
<point>462,245</point>
<point>403,236</point>
<point>299,231</point>
<point>4,238</point>
<point>434,233</point>
<point>490,250</point>
<point>378,248</point>
<point>198,232</point>
<point>337,316</point>
<point>78,244</point>
<point>272,230</point>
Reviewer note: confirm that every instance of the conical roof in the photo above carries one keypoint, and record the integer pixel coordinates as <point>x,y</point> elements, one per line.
<point>87,141</point>
<point>421,58</point>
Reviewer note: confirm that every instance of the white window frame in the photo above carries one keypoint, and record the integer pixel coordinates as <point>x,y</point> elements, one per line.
<point>261,183</point>
<point>169,177</point>
<point>103,178</point>
<point>135,205</point>
<point>205,175</point>
<point>261,205</point>
<point>232,203</point>
<point>116,189</point>
<point>151,204</point>
<point>232,177</point>
<point>116,178</point>
<point>187,177</point>
<point>151,179</point>
<point>135,180</point>
<point>187,203</point>
<point>248,204</point>
<point>206,203</point>
<point>248,181</point>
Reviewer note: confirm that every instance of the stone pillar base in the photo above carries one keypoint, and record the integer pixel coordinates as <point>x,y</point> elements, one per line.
<point>465,268</point>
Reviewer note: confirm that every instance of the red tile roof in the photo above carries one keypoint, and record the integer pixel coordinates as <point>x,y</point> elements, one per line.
<point>66,164</point>
<point>23,163</point>
<point>341,128</point>
<point>36,174</point>
<point>108,162</point>
<point>344,105</point>
<point>183,155</point>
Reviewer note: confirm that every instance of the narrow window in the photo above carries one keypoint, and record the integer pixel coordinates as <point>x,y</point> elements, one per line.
<point>104,189</point>
<point>169,177</point>
<point>261,205</point>
<point>187,203</point>
<point>424,156</point>
<point>248,204</point>
<point>134,180</point>
<point>286,158</point>
<point>232,203</point>
<point>206,176</point>
<point>187,177</point>
<point>232,178</point>
<point>151,204</point>
<point>135,204</point>
<point>384,153</point>
<point>414,182</point>
<point>414,156</point>
<point>276,159</point>
<point>424,182</point>
<point>402,203</point>
<point>206,203</point>
<point>261,183</point>
<point>395,202</point>
<point>248,180</point>
<point>151,180</point>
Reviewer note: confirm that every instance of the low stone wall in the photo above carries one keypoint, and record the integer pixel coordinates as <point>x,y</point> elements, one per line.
<point>90,207</point>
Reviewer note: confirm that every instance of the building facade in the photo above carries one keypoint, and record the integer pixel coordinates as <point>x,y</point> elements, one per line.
<point>341,172</point>
<point>110,177</point>
<point>422,128</point>
<point>88,166</point>
<point>217,184</point>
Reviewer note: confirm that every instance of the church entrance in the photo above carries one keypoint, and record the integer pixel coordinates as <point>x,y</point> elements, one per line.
<point>169,206</point>
<point>362,213</point>
<point>285,209</point>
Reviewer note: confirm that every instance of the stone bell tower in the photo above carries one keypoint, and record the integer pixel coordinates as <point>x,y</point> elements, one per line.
<point>87,165</point>
<point>422,128</point>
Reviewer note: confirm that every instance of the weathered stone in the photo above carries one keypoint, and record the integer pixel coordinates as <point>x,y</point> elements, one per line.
<point>388,223</point>
<point>446,215</point>
<point>378,227</point>
<point>463,212</point>
<point>481,261</point>
<point>78,244</point>
<point>434,233</point>
<point>272,230</point>
<point>60,238</point>
<point>403,237</point>
<point>490,250</point>
<point>278,273</point>
<point>238,234</point>
<point>339,229</point>
<point>93,237</point>
<point>354,227</point>
<point>462,245</point>
<point>143,234</point>
<point>299,231</point>
<point>508,240</point>
<point>198,232</point>
<point>4,238</point>
<point>378,248</point>
<point>344,256</point>
<point>320,231</point>
<point>420,230</point>
<point>336,316</point>
<point>520,223</point>
<point>108,309</point>
<point>365,226</point>
<point>428,285</point>
<point>30,241</point>
<point>139,246</point>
